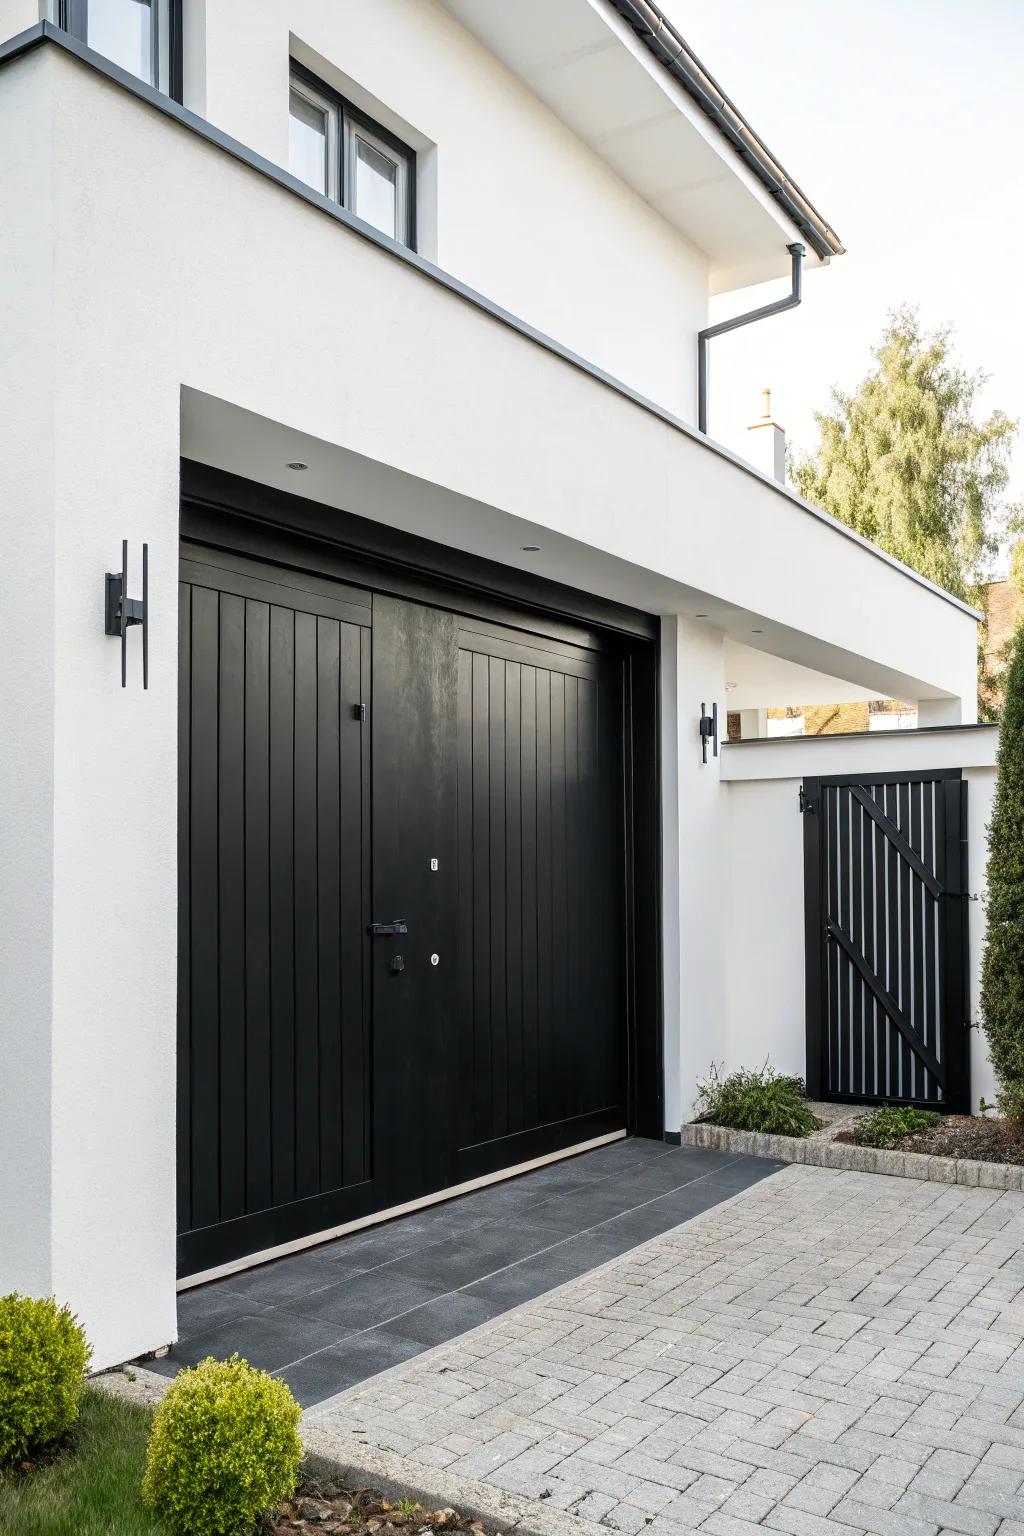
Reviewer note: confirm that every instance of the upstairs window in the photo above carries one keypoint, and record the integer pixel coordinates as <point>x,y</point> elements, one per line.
<point>347,157</point>
<point>142,36</point>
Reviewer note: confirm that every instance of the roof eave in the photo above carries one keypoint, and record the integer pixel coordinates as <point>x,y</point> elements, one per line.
<point>659,36</point>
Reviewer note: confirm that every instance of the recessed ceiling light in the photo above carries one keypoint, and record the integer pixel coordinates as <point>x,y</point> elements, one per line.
<point>298,464</point>
<point>530,549</point>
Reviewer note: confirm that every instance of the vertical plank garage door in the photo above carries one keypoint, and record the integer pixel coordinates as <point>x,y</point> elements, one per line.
<point>274,867</point>
<point>407,899</point>
<point>542,951</point>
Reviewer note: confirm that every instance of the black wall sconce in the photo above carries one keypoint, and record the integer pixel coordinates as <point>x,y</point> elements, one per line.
<point>708,731</point>
<point>120,611</point>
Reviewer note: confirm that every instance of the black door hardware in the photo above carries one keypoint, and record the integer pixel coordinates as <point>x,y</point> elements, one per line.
<point>397,964</point>
<point>388,930</point>
<point>121,611</point>
<point>708,731</point>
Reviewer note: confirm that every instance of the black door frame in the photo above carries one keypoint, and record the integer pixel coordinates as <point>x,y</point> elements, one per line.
<point>231,513</point>
<point>953,930</point>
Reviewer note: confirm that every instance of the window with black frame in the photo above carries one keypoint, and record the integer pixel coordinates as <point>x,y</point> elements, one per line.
<point>141,36</point>
<point>346,156</point>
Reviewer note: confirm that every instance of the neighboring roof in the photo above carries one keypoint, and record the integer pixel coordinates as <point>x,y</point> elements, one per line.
<point>657,33</point>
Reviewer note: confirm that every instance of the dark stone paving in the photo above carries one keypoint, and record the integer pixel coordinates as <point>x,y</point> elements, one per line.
<point>329,1317</point>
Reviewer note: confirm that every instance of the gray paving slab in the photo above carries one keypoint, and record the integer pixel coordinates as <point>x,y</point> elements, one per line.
<point>825,1353</point>
<point>350,1308</point>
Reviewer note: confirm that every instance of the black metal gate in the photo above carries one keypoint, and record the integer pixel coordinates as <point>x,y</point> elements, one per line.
<point>885,862</point>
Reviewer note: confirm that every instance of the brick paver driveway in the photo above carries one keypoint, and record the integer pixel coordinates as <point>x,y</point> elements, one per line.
<point>828,1353</point>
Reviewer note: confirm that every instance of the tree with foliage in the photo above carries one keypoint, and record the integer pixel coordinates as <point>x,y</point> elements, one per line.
<point>904,462</point>
<point>1002,975</point>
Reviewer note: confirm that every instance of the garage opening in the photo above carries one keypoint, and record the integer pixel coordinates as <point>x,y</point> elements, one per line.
<point>418,863</point>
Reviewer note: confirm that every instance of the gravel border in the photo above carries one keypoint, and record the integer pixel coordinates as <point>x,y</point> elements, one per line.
<point>821,1151</point>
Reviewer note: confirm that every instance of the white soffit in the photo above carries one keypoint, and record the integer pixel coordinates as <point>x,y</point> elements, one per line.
<point>758,680</point>
<point>582,61</point>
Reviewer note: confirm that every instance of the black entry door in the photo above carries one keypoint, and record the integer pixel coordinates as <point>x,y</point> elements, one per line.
<point>403,871</point>
<point>500,1016</point>
<point>415,880</point>
<point>885,865</point>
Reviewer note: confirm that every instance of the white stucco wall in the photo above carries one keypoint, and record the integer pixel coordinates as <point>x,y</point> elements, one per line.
<point>763,1014</point>
<point>764,883</point>
<point>18,15</point>
<point>27,629</point>
<point>694,836</point>
<point>510,201</point>
<point>163,279</point>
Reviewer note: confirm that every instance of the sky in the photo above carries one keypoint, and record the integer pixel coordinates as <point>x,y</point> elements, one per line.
<point>903,122</point>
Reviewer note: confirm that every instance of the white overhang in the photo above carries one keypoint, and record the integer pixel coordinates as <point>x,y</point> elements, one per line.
<point>592,71</point>
<point>625,501</point>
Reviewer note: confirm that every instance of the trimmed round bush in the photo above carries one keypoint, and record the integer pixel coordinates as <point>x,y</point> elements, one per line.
<point>43,1360</point>
<point>223,1449</point>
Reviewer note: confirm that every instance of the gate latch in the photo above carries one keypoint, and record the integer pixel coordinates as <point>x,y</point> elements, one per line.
<point>806,803</point>
<point>387,930</point>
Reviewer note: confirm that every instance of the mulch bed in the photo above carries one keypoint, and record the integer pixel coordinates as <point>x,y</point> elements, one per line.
<point>986,1141</point>
<point>321,1506</point>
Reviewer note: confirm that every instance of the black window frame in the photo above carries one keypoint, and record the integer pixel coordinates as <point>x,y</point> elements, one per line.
<point>72,16</point>
<point>348,113</point>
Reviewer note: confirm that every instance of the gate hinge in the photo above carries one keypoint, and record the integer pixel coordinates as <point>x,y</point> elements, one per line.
<point>359,711</point>
<point>806,803</point>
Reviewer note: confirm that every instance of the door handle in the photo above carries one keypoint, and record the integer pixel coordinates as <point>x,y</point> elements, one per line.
<point>387,930</point>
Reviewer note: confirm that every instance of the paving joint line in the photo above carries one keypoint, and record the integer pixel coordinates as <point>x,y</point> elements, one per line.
<point>458,1289</point>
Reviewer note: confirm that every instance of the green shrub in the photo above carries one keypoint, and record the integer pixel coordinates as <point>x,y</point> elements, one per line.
<point>223,1449</point>
<point>1002,971</point>
<point>756,1101</point>
<point>43,1359</point>
<point>885,1127</point>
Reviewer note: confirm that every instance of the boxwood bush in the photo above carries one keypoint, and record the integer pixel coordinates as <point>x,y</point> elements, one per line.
<point>887,1126</point>
<point>224,1448</point>
<point>43,1360</point>
<point>756,1101</point>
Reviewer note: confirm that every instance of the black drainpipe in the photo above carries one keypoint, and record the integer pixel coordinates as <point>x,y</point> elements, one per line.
<point>703,337</point>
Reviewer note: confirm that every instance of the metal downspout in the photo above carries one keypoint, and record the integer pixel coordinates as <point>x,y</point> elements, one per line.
<point>794,297</point>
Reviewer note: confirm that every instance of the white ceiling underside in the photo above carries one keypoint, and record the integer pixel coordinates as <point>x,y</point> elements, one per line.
<point>589,69</point>
<point>758,680</point>
<point>787,667</point>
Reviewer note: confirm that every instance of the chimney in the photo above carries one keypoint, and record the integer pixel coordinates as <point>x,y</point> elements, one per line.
<point>767,442</point>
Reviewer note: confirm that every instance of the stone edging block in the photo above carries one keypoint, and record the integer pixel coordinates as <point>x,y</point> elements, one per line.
<point>821,1151</point>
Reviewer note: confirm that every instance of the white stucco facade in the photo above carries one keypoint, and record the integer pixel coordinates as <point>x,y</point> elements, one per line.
<point>763,1014</point>
<point>167,299</point>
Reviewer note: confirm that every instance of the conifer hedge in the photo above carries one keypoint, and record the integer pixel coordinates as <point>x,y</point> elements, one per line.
<point>1002,978</point>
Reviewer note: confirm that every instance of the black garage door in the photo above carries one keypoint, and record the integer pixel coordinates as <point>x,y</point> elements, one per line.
<point>407,897</point>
